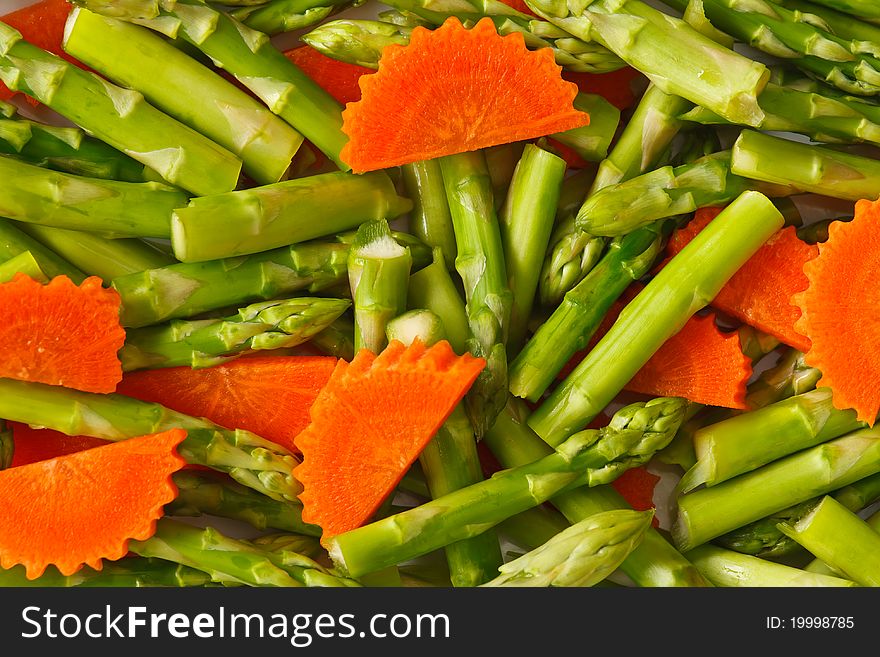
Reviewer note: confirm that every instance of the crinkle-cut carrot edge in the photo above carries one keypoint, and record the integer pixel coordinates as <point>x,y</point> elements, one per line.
<point>347,471</point>
<point>61,334</point>
<point>416,108</point>
<point>82,508</point>
<point>838,312</point>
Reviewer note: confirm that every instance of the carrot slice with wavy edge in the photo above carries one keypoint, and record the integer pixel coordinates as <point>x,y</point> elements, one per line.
<point>60,333</point>
<point>452,90</point>
<point>339,79</point>
<point>82,508</point>
<point>369,424</point>
<point>42,24</point>
<point>759,294</point>
<point>839,312</point>
<point>267,395</point>
<point>34,445</point>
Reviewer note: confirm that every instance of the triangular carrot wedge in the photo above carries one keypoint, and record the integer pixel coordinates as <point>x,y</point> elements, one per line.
<point>83,508</point>
<point>61,334</point>
<point>840,312</point>
<point>370,423</point>
<point>759,294</point>
<point>34,445</point>
<point>339,79</point>
<point>453,90</point>
<point>267,395</point>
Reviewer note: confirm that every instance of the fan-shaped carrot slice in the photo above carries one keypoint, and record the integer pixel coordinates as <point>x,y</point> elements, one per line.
<point>759,294</point>
<point>370,423</point>
<point>339,79</point>
<point>34,445</point>
<point>839,312</point>
<point>83,508</point>
<point>267,395</point>
<point>452,90</point>
<point>61,334</point>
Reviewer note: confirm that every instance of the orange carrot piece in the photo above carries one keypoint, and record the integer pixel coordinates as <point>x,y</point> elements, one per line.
<point>339,79</point>
<point>839,312</point>
<point>452,90</point>
<point>369,424</point>
<point>83,508</point>
<point>759,294</point>
<point>42,24</point>
<point>617,87</point>
<point>61,334</point>
<point>267,395</point>
<point>34,445</point>
<point>637,486</point>
<point>520,6</point>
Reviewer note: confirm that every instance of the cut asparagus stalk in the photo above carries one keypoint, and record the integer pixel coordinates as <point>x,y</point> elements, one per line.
<point>865,9</point>
<point>531,529</point>
<point>121,117</point>
<point>336,340</point>
<point>592,141</point>
<point>841,18</point>
<point>14,242</point>
<point>277,324</point>
<point>185,89</point>
<point>23,263</point>
<point>430,219</point>
<point>279,16</point>
<point>582,555</point>
<point>129,572</point>
<point>378,273</point>
<point>109,207</point>
<point>432,288</point>
<point>252,461</point>
<point>790,376</point>
<point>685,285</point>
<point>270,216</point>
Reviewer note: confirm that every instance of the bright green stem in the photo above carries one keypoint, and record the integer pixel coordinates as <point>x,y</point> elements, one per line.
<point>432,288</point>
<point>790,376</point>
<point>129,572</point>
<point>121,117</point>
<point>378,273</point>
<point>806,167</point>
<point>99,256</point>
<point>336,340</point>
<point>278,324</point>
<point>841,539</point>
<point>531,529</point>
<point>672,54</point>
<point>277,16</point>
<point>430,220</point>
<point>356,41</point>
<point>859,494</point>
<point>688,283</point>
<point>526,221</point>
<point>707,513</point>
<point>592,141</point>
<point>576,319</point>
<point>247,458</point>
<point>109,207</point>
<point>13,241</point>
<point>728,568</point>
<point>270,216</point>
<point>215,494</point>
<point>23,263</point>
<point>865,9</point>
<point>480,263</point>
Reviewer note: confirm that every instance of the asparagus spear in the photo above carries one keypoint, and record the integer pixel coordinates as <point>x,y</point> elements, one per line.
<point>129,572</point>
<point>215,494</point>
<point>274,324</point>
<point>790,376</point>
<point>747,441</point>
<point>270,216</point>
<point>23,263</point>
<point>252,461</point>
<point>501,161</point>
<point>526,221</point>
<point>574,322</point>
<point>531,529</point>
<point>839,538</point>
<point>474,509</point>
<point>707,513</point>
<point>99,256</point>
<point>865,9</point>
<point>185,89</point>
<point>121,117</point>
<point>432,288</point>
<point>807,167</point>
<point>450,462</point>
<point>582,555</point>
<point>859,494</point>
<point>14,242</point>
<point>378,272</point>
<point>840,17</point>
<point>430,220</point>
<point>729,568</point>
<point>52,198</point>
<point>231,561</point>
<point>336,340</point>
<point>277,16</point>
<point>7,445</point>
<point>687,283</point>
<point>480,263</point>
<point>672,54</point>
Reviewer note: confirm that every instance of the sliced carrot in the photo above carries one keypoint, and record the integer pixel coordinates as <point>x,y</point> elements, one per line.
<point>637,486</point>
<point>61,334</point>
<point>34,445</point>
<point>839,312</point>
<point>759,294</point>
<point>339,79</point>
<point>267,395</point>
<point>617,87</point>
<point>83,508</point>
<point>452,90</point>
<point>370,423</point>
<point>42,24</point>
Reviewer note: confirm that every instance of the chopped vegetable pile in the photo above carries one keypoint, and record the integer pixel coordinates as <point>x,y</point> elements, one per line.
<point>562,294</point>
